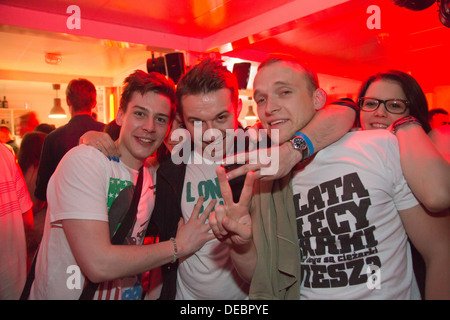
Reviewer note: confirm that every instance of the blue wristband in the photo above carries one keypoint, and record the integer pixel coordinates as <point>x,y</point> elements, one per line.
<point>308,142</point>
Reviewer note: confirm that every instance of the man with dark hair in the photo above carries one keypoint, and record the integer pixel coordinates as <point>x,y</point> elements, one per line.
<point>85,189</point>
<point>81,97</point>
<point>438,117</point>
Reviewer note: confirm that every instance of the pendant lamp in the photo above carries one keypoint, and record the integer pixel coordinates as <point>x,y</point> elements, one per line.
<point>57,111</point>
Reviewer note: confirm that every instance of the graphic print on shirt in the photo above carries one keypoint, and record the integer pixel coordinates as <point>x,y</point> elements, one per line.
<point>336,240</point>
<point>120,195</point>
<point>209,189</point>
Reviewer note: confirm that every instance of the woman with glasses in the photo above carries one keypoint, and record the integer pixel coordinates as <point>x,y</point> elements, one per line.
<point>394,100</point>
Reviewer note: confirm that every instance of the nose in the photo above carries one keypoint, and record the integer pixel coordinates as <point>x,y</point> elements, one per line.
<point>209,125</point>
<point>209,132</point>
<point>272,106</point>
<point>381,110</point>
<point>149,125</point>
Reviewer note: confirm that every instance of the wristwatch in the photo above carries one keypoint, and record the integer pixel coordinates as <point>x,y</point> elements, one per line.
<point>299,143</point>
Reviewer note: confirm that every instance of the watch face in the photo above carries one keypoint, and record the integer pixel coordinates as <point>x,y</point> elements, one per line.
<point>299,143</point>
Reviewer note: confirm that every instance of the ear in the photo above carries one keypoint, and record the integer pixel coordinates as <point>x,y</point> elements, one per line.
<point>238,108</point>
<point>119,117</point>
<point>320,98</point>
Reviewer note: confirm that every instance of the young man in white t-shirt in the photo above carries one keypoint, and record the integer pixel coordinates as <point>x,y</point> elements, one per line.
<point>344,215</point>
<point>76,242</point>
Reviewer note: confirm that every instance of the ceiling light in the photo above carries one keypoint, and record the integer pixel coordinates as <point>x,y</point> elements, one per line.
<point>250,114</point>
<point>57,111</point>
<point>53,58</point>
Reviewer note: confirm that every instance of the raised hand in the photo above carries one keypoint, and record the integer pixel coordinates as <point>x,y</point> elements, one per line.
<point>191,236</point>
<point>267,164</point>
<point>231,222</point>
<point>102,141</point>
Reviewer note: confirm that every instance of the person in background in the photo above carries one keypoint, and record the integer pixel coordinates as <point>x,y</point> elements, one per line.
<point>166,148</point>
<point>28,160</point>
<point>27,123</point>
<point>441,139</point>
<point>86,185</point>
<point>81,97</point>
<point>438,117</point>
<point>440,130</point>
<point>15,216</point>
<point>45,128</point>
<point>7,138</point>
<point>348,208</point>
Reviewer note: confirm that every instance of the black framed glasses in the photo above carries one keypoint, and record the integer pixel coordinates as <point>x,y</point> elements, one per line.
<point>395,106</point>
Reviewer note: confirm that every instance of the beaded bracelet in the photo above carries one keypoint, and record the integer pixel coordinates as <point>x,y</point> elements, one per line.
<point>403,122</point>
<point>175,250</point>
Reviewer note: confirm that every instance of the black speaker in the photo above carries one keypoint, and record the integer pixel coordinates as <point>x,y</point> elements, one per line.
<point>175,65</point>
<point>242,72</point>
<point>156,65</point>
<point>416,5</point>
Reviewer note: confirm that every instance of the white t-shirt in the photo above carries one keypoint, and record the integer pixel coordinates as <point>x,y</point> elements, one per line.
<point>352,240</point>
<point>208,274</point>
<point>84,186</point>
<point>14,201</point>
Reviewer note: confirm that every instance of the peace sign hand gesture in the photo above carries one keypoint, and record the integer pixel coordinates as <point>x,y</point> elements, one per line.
<point>231,222</point>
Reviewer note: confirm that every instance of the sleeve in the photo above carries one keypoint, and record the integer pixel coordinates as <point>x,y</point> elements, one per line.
<point>14,196</point>
<point>23,196</point>
<point>78,188</point>
<point>346,102</point>
<point>402,194</point>
<point>46,169</point>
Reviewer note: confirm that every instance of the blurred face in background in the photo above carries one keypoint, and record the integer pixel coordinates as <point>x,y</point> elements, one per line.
<point>176,124</point>
<point>439,119</point>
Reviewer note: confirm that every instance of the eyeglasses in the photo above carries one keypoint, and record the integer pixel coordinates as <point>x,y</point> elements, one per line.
<point>395,106</point>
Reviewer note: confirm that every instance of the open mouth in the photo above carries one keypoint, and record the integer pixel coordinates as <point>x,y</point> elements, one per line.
<point>379,125</point>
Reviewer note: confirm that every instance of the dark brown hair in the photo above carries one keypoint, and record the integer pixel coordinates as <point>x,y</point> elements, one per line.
<point>207,76</point>
<point>81,94</point>
<point>143,82</point>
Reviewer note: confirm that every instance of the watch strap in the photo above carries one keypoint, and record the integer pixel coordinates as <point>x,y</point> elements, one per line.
<point>307,140</point>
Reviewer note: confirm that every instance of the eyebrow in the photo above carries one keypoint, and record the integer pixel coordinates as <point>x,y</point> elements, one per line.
<point>218,115</point>
<point>277,83</point>
<point>147,110</point>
